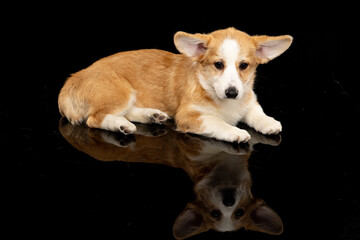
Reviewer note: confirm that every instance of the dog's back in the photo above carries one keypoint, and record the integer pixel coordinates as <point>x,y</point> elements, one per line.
<point>114,79</point>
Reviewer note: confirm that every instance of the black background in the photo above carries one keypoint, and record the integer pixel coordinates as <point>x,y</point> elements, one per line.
<point>49,189</point>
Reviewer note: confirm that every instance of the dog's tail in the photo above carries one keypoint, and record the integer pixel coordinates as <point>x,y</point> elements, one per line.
<point>72,104</point>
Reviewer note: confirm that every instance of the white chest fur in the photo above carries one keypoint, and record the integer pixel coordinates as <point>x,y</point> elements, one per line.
<point>231,111</point>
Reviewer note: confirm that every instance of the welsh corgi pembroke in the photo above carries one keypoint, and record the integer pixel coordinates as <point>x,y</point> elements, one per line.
<point>207,89</point>
<point>219,170</point>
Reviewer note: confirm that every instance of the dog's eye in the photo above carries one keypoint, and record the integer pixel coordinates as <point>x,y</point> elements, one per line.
<point>219,65</point>
<point>239,213</point>
<point>215,213</point>
<point>243,65</point>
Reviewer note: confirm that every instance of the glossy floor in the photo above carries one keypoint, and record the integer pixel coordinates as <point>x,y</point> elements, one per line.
<point>65,181</point>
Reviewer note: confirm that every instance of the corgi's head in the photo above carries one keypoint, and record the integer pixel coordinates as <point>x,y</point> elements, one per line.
<point>228,58</point>
<point>228,215</point>
<point>224,202</point>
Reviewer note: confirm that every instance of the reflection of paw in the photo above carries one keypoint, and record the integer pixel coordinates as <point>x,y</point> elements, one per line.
<point>158,131</point>
<point>214,146</point>
<point>151,130</point>
<point>240,149</point>
<point>117,139</point>
<point>257,137</point>
<point>269,125</point>
<point>158,117</point>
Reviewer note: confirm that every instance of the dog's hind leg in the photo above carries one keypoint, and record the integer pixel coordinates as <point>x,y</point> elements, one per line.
<point>108,110</point>
<point>111,122</point>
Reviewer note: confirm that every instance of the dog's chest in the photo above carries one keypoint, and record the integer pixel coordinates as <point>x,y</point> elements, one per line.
<point>232,111</point>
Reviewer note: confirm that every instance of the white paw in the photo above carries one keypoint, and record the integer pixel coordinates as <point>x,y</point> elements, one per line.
<point>157,116</point>
<point>127,127</point>
<point>238,135</point>
<point>269,126</point>
<point>115,123</point>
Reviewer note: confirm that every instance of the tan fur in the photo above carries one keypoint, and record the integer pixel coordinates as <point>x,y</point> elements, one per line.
<point>105,86</point>
<point>156,79</point>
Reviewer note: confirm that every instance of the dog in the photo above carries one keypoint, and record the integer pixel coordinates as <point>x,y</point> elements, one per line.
<point>207,89</point>
<point>222,182</point>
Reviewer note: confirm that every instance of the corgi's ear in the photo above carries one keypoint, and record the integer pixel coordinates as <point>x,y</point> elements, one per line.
<point>264,219</point>
<point>268,48</point>
<point>188,223</point>
<point>192,45</point>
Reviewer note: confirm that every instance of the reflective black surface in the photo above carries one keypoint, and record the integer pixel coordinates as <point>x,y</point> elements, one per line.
<point>72,182</point>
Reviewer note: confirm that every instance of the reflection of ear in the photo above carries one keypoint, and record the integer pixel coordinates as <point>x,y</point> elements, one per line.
<point>264,219</point>
<point>191,45</point>
<point>268,48</point>
<point>188,223</point>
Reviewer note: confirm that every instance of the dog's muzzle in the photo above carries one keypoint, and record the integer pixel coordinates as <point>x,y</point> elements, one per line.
<point>231,92</point>
<point>228,197</point>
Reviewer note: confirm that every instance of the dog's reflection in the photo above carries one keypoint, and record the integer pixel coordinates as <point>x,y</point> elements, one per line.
<point>219,170</point>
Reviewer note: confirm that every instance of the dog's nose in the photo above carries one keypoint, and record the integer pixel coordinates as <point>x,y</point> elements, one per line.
<point>228,201</point>
<point>228,197</point>
<point>231,92</point>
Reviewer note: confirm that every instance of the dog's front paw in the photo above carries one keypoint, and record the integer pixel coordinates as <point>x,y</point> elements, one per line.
<point>269,126</point>
<point>238,135</point>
